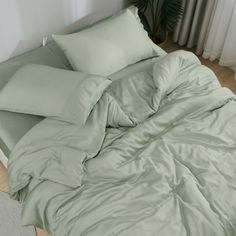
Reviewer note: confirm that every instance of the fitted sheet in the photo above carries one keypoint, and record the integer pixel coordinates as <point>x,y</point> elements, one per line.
<point>13,125</point>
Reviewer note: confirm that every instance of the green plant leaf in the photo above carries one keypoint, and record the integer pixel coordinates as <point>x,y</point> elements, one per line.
<point>140,4</point>
<point>145,22</point>
<point>172,11</point>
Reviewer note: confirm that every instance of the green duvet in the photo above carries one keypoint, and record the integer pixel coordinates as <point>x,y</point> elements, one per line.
<point>157,156</point>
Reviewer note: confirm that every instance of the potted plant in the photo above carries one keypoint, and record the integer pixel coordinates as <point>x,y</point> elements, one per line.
<point>159,17</point>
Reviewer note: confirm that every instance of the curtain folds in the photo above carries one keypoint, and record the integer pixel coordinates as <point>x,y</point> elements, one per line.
<point>193,27</point>
<point>221,40</point>
<point>210,26</point>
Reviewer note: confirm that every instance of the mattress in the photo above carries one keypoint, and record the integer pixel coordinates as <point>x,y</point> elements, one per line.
<point>14,125</point>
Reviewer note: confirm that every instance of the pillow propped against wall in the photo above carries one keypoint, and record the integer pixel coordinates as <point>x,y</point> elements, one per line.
<point>47,91</point>
<point>109,45</point>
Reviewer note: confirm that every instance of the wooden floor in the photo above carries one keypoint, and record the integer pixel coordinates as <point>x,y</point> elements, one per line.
<point>224,74</point>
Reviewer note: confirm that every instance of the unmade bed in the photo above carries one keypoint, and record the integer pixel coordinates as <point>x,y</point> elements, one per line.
<point>152,151</point>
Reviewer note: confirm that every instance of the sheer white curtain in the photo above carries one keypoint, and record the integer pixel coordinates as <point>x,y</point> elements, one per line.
<point>221,39</point>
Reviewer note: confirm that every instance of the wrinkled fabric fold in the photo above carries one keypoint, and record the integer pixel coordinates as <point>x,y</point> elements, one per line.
<point>155,157</point>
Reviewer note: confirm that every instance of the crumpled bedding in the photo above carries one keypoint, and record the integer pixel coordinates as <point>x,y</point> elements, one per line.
<point>157,156</point>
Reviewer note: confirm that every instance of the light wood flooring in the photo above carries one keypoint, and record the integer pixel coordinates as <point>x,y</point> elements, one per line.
<point>224,74</point>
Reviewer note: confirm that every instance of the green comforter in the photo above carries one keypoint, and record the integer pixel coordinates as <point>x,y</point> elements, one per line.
<point>157,156</point>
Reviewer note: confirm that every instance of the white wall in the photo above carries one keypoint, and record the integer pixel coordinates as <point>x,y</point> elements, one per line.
<point>23,23</point>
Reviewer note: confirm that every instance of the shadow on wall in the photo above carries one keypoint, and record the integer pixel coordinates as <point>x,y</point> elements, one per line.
<point>95,11</point>
<point>37,19</point>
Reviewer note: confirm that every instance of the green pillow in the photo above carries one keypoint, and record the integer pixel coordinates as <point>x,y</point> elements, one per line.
<point>109,45</point>
<point>50,92</point>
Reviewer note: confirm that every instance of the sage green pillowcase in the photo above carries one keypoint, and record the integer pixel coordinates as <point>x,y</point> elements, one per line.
<point>109,45</point>
<point>50,92</point>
